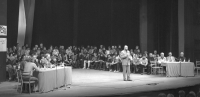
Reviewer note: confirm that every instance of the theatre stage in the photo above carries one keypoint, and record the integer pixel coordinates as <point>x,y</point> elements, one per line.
<point>100,83</point>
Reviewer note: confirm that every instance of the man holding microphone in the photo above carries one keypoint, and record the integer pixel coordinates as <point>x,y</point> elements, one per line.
<point>126,59</point>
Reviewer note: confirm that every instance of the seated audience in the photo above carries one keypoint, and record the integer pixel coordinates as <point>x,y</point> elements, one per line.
<point>181,93</point>
<point>170,95</point>
<point>162,95</point>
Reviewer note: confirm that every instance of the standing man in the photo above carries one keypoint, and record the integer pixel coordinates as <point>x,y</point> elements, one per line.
<point>126,58</point>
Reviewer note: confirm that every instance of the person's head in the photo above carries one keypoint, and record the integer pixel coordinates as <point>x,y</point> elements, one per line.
<point>162,95</point>
<point>113,47</point>
<point>181,93</point>
<point>170,54</point>
<point>170,95</point>
<point>162,54</point>
<point>125,47</point>
<point>150,55</point>
<point>136,47</point>
<point>119,46</point>
<point>155,51</point>
<point>192,94</point>
<point>181,54</point>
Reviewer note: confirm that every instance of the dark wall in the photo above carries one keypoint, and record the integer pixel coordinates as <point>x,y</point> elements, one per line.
<point>107,22</point>
<point>3,21</point>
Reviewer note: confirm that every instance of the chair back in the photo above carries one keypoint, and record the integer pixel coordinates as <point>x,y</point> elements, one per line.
<point>22,75</point>
<point>197,63</point>
<point>153,63</point>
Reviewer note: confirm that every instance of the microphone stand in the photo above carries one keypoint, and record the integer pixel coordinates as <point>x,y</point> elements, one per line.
<point>65,86</point>
<point>56,75</point>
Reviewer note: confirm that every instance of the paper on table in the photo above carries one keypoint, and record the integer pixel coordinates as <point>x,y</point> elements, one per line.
<point>3,44</point>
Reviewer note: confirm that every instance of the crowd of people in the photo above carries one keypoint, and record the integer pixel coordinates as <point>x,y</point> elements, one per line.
<point>90,57</point>
<point>181,93</point>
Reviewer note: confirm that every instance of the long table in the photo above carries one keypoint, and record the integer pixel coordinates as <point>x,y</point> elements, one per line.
<point>179,69</point>
<point>50,79</point>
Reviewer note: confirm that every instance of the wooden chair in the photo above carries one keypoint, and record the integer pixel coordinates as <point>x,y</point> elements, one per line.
<point>154,69</point>
<point>29,82</point>
<point>197,67</point>
<point>18,78</point>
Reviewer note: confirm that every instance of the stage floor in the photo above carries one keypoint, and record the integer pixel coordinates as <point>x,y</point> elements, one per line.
<point>100,83</point>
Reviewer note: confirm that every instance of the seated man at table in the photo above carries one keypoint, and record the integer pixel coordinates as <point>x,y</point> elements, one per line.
<point>170,58</point>
<point>28,69</point>
<point>162,58</point>
<point>181,58</point>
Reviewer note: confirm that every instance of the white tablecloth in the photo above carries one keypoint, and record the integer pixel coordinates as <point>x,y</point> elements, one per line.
<point>179,68</point>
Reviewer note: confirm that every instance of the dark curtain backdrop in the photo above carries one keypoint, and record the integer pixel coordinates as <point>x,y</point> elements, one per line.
<point>53,22</point>
<point>107,22</point>
<point>163,26</point>
<point>12,21</point>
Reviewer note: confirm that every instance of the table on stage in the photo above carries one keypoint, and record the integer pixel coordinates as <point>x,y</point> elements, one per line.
<point>49,79</point>
<point>179,69</point>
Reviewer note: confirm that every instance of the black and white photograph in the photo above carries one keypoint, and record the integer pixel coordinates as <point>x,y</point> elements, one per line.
<point>99,48</point>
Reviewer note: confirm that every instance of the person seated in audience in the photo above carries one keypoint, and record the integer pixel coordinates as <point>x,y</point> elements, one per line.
<point>181,58</point>
<point>94,62</point>
<point>136,50</point>
<point>151,63</point>
<point>181,93</point>
<point>191,94</point>
<point>23,50</point>
<point>136,62</point>
<point>170,95</point>
<point>73,60</point>
<point>87,61</point>
<point>29,68</point>
<point>101,56</point>
<point>170,58</point>
<point>162,95</point>
<point>44,50</point>
<point>9,69</point>
<point>41,46</point>
<point>143,64</point>
<point>115,62</point>
<point>50,50</point>
<point>155,54</point>
<point>109,60</point>
<point>54,58</point>
<point>146,53</point>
